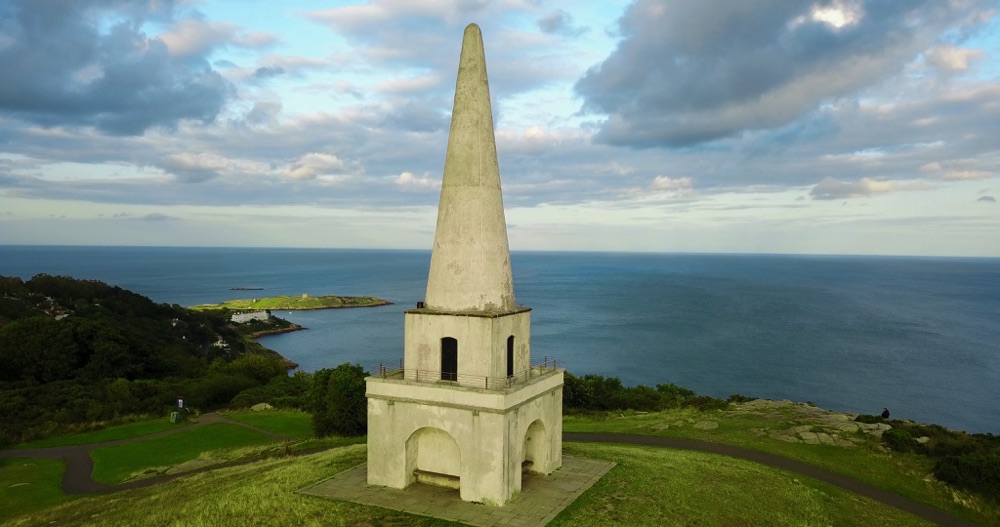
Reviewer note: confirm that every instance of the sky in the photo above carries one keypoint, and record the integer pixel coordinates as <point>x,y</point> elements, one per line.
<point>773,126</point>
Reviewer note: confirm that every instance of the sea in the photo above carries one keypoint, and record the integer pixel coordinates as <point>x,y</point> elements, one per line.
<point>918,335</point>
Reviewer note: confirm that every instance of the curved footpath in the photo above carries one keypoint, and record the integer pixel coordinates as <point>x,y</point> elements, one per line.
<point>915,508</point>
<point>79,465</point>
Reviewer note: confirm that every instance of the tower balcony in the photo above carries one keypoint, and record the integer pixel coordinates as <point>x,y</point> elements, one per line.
<point>398,372</point>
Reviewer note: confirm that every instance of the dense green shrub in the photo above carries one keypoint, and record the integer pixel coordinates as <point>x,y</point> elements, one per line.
<point>282,392</point>
<point>599,393</point>
<point>900,440</point>
<point>975,472</point>
<point>338,402</point>
<point>705,403</point>
<point>869,419</point>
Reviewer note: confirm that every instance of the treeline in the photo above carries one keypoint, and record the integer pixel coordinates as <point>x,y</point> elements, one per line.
<point>600,393</point>
<point>78,351</point>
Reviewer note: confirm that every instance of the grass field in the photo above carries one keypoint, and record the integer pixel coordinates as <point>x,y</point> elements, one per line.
<point>118,463</point>
<point>113,433</point>
<point>295,424</point>
<point>656,486</point>
<point>649,487</point>
<point>261,493</point>
<point>903,474</point>
<point>28,485</point>
<point>297,302</point>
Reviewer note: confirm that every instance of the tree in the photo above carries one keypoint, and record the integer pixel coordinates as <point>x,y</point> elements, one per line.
<point>338,401</point>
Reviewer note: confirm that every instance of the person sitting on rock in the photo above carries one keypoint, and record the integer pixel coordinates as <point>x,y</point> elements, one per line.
<point>885,413</point>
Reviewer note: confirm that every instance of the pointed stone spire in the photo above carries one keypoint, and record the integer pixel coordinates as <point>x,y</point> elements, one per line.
<point>470,261</point>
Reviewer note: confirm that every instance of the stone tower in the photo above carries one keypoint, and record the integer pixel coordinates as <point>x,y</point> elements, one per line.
<point>468,409</point>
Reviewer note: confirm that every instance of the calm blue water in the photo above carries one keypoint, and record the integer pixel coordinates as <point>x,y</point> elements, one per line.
<point>919,335</point>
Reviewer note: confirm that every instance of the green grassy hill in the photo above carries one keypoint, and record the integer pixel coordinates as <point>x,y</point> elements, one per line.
<point>649,486</point>
<point>296,302</point>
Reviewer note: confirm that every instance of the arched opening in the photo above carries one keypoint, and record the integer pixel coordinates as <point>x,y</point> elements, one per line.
<point>433,458</point>
<point>449,359</point>
<point>510,356</point>
<point>536,448</point>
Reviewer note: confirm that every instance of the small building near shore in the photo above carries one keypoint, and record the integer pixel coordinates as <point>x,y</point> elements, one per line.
<point>240,317</point>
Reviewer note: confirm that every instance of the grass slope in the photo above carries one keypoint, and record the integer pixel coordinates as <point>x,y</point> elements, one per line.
<point>29,485</point>
<point>656,486</point>
<point>867,461</point>
<point>113,433</point>
<point>649,487</point>
<point>292,423</point>
<point>118,463</point>
<point>261,493</point>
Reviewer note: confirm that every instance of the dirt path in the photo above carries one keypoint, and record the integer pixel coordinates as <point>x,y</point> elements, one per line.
<point>915,508</point>
<point>79,465</point>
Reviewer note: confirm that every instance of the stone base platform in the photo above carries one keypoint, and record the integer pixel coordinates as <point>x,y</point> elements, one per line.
<point>540,500</point>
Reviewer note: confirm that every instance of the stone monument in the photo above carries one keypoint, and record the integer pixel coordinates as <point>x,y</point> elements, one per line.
<point>467,409</point>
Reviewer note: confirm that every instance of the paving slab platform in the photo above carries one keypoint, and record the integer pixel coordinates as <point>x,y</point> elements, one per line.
<point>540,500</point>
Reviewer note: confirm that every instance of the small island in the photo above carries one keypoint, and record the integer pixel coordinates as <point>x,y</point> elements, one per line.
<point>291,303</point>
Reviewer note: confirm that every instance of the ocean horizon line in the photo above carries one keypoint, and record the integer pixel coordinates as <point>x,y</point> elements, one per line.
<point>885,256</point>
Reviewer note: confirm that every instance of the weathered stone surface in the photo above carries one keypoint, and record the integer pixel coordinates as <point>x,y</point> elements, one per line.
<point>660,426</point>
<point>261,406</point>
<point>781,436</point>
<point>809,437</point>
<point>848,427</point>
<point>470,262</point>
<point>923,440</point>
<point>825,438</point>
<point>706,425</point>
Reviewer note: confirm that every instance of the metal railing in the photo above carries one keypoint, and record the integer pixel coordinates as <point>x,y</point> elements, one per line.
<point>399,371</point>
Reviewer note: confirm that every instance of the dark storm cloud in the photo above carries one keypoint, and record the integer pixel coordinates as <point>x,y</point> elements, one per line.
<point>90,63</point>
<point>691,72</point>
<point>267,72</point>
<point>560,22</point>
<point>987,199</point>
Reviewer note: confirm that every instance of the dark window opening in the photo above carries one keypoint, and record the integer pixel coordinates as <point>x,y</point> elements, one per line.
<point>449,359</point>
<point>510,356</point>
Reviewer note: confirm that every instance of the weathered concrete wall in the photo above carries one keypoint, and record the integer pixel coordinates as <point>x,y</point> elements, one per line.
<point>470,262</point>
<point>484,443</point>
<point>482,342</point>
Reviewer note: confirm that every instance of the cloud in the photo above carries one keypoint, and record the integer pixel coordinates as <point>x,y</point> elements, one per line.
<point>560,22</point>
<point>987,199</point>
<point>264,112</point>
<point>832,189</point>
<point>156,216</point>
<point>410,181</point>
<point>312,165</point>
<point>194,168</point>
<point>953,59</point>
<point>267,72</point>
<point>86,63</point>
<point>956,173</point>
<point>691,72</point>
<point>669,183</point>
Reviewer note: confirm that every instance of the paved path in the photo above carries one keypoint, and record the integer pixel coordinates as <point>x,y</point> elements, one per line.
<point>79,465</point>
<point>915,508</point>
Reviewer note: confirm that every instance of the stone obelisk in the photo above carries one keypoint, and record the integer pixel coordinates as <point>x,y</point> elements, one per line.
<point>468,409</point>
<point>470,262</point>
